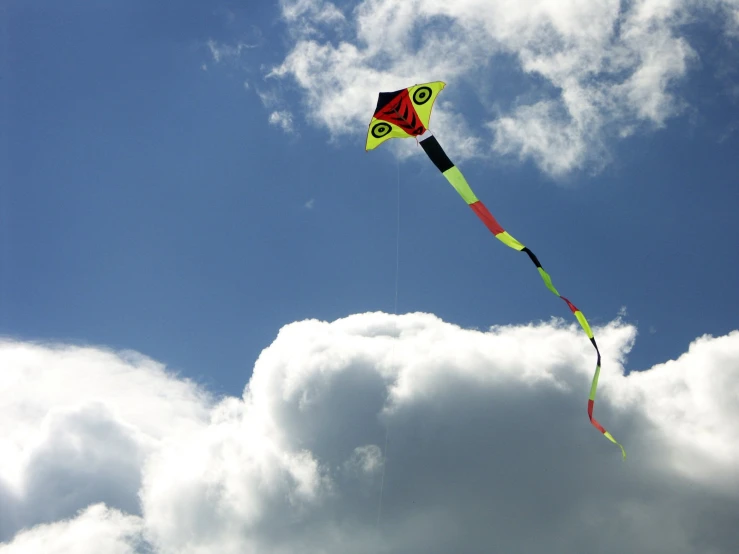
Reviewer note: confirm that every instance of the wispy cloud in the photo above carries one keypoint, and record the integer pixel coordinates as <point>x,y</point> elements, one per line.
<point>310,203</point>
<point>282,119</point>
<point>221,52</point>
<point>609,69</point>
<point>307,18</point>
<point>489,444</point>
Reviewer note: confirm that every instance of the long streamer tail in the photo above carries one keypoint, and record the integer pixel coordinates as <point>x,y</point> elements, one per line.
<point>437,155</point>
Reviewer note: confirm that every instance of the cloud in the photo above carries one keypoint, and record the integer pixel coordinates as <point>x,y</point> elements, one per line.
<point>282,119</point>
<point>582,74</point>
<point>95,529</point>
<point>222,52</point>
<point>79,423</point>
<point>488,445</point>
<point>310,203</point>
<point>306,16</point>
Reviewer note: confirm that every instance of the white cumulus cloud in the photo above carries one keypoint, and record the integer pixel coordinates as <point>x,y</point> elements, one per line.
<point>488,445</point>
<point>78,425</point>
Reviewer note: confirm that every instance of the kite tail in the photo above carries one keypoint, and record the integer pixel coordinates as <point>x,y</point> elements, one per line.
<point>437,155</point>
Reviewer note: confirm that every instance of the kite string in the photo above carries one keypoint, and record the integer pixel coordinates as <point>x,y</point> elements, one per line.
<point>397,244</point>
<point>395,312</point>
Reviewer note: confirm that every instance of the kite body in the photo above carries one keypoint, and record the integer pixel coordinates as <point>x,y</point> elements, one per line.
<point>403,113</point>
<point>406,113</point>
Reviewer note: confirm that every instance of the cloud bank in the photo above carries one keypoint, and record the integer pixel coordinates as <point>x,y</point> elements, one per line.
<point>489,447</point>
<point>557,80</point>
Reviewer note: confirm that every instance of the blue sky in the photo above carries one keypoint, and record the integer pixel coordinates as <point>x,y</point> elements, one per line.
<point>149,204</point>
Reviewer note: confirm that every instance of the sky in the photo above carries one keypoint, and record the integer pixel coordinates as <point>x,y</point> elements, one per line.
<point>224,326</point>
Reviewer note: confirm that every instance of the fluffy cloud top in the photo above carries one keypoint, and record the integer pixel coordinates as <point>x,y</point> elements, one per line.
<point>78,423</point>
<point>488,447</point>
<point>595,71</point>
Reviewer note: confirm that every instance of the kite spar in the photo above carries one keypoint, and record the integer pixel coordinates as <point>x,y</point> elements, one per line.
<point>406,113</point>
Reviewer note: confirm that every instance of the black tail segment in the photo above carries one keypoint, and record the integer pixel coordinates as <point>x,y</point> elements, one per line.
<point>532,256</point>
<point>437,155</point>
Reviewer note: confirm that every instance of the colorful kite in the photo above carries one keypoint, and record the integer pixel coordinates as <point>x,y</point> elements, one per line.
<point>406,113</point>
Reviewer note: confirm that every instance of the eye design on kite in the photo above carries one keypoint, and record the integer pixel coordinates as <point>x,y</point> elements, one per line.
<point>380,130</point>
<point>421,95</point>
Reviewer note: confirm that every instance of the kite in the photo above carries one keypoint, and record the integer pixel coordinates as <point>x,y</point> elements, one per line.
<point>406,113</point>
